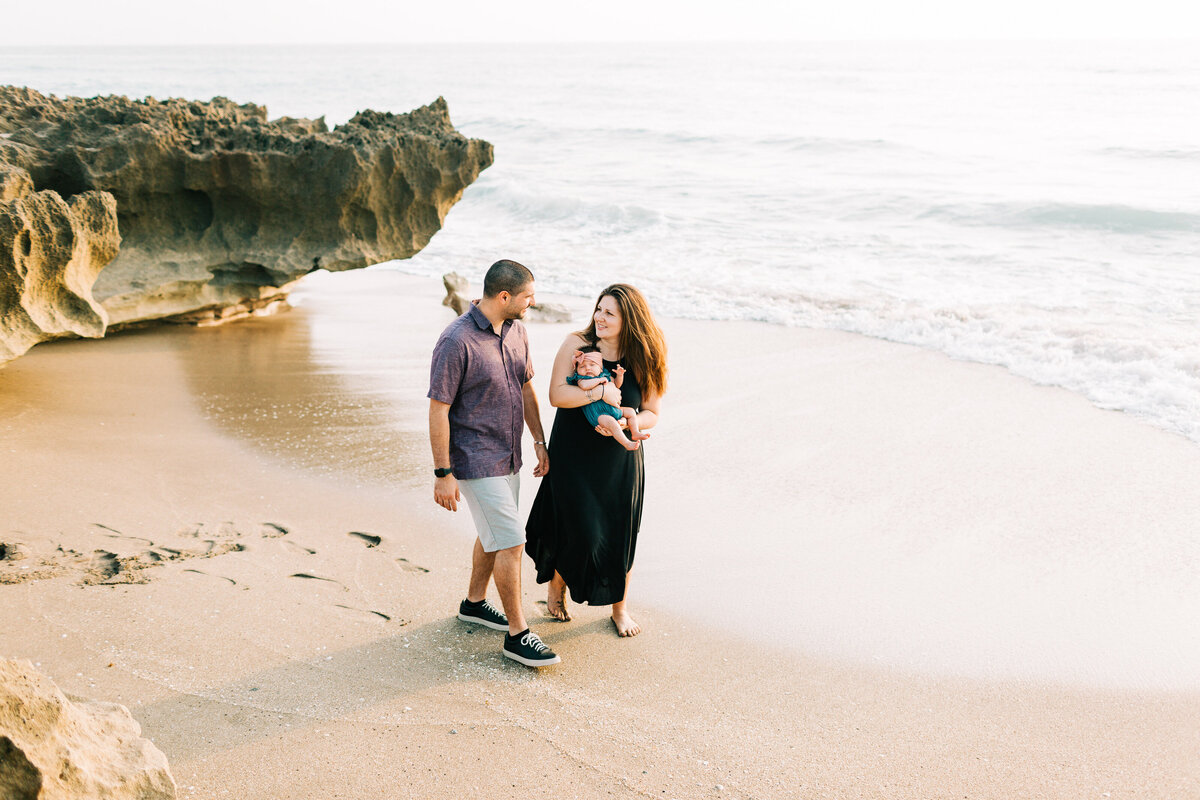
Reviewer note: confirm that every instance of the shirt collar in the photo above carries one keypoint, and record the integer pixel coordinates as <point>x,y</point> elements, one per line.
<point>482,321</point>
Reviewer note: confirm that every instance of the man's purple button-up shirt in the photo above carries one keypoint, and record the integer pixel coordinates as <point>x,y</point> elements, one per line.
<point>481,376</point>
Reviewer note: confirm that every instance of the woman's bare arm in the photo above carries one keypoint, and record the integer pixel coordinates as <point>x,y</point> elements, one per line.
<point>648,417</point>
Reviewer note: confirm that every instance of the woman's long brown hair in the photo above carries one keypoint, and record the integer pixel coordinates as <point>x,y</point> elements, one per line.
<point>642,344</point>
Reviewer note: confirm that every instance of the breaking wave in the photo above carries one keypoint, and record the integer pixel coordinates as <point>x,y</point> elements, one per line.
<point>1113,218</point>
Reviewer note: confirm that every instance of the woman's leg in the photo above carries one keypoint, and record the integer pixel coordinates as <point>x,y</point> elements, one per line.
<point>556,598</point>
<point>626,626</point>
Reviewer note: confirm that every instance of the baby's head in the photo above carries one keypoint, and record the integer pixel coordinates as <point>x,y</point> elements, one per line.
<point>588,362</point>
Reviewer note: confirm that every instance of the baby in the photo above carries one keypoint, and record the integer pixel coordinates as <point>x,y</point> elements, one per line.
<point>590,373</point>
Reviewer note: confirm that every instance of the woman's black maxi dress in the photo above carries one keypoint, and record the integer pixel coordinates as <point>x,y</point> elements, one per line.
<point>585,519</point>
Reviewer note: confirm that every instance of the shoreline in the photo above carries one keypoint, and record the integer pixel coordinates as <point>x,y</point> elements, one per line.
<point>257,682</point>
<point>932,346</point>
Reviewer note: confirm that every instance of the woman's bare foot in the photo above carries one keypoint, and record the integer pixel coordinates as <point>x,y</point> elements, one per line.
<point>556,599</point>
<point>625,623</point>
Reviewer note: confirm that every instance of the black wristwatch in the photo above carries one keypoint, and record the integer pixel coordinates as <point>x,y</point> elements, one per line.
<point>442,472</point>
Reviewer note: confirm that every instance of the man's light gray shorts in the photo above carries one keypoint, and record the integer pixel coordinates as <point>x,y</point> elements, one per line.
<point>493,503</point>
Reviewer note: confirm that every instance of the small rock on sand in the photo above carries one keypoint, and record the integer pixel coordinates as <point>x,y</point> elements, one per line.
<point>52,748</point>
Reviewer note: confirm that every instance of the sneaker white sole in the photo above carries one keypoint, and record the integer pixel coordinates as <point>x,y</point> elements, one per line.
<point>496,626</point>
<point>529,662</point>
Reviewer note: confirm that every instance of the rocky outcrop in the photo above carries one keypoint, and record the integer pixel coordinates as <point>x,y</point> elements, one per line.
<point>458,288</point>
<point>51,251</point>
<point>219,207</point>
<point>52,748</point>
<point>456,292</point>
<point>548,312</point>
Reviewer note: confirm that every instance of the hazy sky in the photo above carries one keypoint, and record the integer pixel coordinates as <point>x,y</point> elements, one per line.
<point>258,21</point>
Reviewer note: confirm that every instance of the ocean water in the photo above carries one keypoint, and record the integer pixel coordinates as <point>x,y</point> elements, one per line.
<point>1032,205</point>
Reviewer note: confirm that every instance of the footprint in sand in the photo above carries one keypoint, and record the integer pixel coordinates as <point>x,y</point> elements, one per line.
<point>197,530</point>
<point>216,549</point>
<point>369,539</point>
<point>108,569</point>
<point>272,530</point>
<point>365,611</point>
<point>113,533</point>
<point>306,576</point>
<point>13,551</point>
<point>104,566</point>
<point>210,575</point>
<point>299,548</point>
<point>408,566</point>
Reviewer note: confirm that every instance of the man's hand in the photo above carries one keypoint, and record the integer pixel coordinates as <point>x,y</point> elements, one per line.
<point>445,492</point>
<point>543,457</point>
<point>611,395</point>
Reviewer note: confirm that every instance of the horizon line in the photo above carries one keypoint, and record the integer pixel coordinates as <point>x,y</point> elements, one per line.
<point>973,39</point>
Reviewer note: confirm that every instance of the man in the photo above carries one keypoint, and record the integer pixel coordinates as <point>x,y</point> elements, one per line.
<point>479,392</point>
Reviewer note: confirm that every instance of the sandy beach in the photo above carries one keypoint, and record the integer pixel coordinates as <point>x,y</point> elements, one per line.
<point>865,571</point>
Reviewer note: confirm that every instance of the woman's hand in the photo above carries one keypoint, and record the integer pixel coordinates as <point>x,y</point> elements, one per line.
<point>611,395</point>
<point>605,432</point>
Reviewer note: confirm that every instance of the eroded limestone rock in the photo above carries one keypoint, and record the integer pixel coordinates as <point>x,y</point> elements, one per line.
<point>52,748</point>
<point>220,207</point>
<point>548,312</point>
<point>51,251</point>
<point>456,292</point>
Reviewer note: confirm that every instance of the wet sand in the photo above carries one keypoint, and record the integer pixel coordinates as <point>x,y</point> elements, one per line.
<point>230,531</point>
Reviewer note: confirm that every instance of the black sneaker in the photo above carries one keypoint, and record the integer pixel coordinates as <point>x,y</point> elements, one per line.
<point>529,650</point>
<point>483,613</point>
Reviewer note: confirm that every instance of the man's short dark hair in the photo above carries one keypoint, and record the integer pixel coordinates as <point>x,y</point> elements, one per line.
<point>506,276</point>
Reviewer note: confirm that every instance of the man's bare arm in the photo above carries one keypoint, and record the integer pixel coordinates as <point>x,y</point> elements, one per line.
<point>445,490</point>
<point>533,419</point>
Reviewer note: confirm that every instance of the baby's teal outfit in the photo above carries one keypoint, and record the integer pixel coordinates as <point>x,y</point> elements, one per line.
<point>597,408</point>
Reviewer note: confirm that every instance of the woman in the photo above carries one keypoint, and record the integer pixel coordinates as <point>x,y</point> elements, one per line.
<point>583,527</point>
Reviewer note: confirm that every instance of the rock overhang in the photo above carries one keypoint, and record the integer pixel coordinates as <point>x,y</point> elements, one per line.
<point>219,207</point>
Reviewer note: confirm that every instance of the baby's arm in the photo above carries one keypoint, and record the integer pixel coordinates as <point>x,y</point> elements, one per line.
<point>590,383</point>
<point>618,376</point>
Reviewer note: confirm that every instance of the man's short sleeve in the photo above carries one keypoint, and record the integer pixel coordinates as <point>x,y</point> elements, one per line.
<point>446,370</point>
